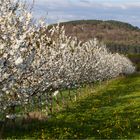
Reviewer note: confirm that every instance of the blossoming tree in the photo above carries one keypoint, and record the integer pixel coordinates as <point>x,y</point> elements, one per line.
<point>33,62</point>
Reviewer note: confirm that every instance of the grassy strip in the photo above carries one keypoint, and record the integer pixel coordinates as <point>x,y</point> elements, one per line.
<point>111,110</point>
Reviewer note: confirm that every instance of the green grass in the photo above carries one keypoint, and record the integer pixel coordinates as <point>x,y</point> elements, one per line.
<point>110,110</point>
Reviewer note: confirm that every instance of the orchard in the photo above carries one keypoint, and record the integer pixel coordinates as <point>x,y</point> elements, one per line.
<point>33,62</point>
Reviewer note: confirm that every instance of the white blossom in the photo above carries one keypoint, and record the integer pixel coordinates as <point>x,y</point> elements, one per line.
<point>18,61</point>
<point>55,93</point>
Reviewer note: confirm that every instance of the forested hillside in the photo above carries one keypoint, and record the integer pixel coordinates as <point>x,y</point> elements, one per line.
<point>118,36</point>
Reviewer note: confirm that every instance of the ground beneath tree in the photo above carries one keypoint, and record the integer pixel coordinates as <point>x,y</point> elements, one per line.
<point>110,110</point>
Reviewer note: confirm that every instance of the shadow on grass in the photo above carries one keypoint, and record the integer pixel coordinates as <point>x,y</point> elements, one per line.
<point>111,112</point>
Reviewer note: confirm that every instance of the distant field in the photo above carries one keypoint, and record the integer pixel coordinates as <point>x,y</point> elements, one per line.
<point>109,110</point>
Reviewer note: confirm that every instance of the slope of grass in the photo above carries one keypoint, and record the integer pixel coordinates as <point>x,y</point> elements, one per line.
<point>110,110</point>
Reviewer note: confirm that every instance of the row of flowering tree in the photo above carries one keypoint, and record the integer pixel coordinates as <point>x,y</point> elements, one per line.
<point>34,62</point>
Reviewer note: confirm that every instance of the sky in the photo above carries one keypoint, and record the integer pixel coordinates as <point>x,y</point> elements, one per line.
<point>66,10</point>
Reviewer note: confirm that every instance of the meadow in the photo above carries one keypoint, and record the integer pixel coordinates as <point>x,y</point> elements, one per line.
<point>107,110</point>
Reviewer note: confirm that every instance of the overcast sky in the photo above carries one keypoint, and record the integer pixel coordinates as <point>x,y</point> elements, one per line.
<point>66,10</point>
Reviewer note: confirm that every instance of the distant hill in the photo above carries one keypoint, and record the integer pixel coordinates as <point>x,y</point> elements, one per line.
<point>118,36</point>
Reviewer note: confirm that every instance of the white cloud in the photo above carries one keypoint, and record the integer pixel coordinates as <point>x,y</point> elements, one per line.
<point>55,3</point>
<point>64,10</point>
<point>121,5</point>
<point>87,3</point>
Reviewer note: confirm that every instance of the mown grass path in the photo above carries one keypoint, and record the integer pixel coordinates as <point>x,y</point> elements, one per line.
<point>111,110</point>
